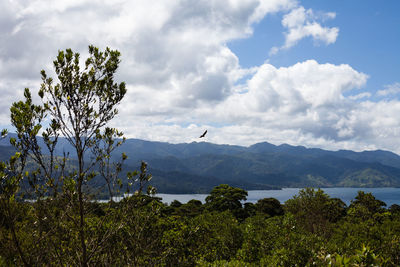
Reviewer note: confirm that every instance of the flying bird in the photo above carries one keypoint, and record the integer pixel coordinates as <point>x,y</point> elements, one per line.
<point>204,134</point>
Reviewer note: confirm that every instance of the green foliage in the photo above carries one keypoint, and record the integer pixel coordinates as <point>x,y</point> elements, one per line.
<point>225,263</point>
<point>191,209</point>
<point>77,105</point>
<point>176,204</point>
<point>395,209</point>
<point>269,206</point>
<point>225,197</point>
<point>315,210</point>
<point>365,206</point>
<point>277,241</point>
<point>362,257</point>
<point>209,236</point>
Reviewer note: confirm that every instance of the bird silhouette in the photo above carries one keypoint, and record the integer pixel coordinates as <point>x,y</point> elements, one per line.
<point>204,134</point>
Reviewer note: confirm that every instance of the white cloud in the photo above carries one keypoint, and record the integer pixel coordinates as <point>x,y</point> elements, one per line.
<point>179,46</point>
<point>360,96</point>
<point>391,89</point>
<point>307,96</point>
<point>182,78</point>
<point>302,23</point>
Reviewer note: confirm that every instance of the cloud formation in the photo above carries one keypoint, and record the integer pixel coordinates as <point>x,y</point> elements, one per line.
<point>301,23</point>
<point>182,78</point>
<point>391,89</point>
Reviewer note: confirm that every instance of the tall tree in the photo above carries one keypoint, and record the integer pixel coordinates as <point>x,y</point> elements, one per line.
<point>224,197</point>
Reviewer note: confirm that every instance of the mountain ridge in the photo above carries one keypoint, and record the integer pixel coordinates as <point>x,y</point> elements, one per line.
<point>196,167</point>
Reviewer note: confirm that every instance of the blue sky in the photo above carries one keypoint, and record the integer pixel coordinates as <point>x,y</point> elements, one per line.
<point>314,73</point>
<point>369,40</point>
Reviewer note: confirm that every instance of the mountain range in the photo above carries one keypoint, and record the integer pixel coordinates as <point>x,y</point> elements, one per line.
<point>199,166</point>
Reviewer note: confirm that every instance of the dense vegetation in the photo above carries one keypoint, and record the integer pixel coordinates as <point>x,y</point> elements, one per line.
<point>309,229</point>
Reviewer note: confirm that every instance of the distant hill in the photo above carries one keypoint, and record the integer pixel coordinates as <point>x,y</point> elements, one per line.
<point>199,166</point>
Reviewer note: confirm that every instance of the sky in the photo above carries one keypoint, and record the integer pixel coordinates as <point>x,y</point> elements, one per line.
<point>314,73</point>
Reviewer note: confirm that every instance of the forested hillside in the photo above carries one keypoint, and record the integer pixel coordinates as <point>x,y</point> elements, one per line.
<point>198,167</point>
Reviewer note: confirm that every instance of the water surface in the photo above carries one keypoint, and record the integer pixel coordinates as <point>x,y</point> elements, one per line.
<point>387,194</point>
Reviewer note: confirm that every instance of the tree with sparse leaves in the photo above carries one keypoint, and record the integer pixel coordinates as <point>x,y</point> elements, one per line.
<point>103,146</point>
<point>77,105</point>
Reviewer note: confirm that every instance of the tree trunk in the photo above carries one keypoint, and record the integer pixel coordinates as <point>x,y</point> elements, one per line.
<point>84,261</point>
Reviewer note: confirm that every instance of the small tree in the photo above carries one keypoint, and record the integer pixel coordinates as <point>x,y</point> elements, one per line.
<point>77,106</point>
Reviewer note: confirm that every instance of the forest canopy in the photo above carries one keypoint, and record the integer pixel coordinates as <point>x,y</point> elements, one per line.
<point>309,229</point>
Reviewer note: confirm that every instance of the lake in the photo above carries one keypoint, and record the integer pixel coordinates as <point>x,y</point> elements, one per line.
<point>388,195</point>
